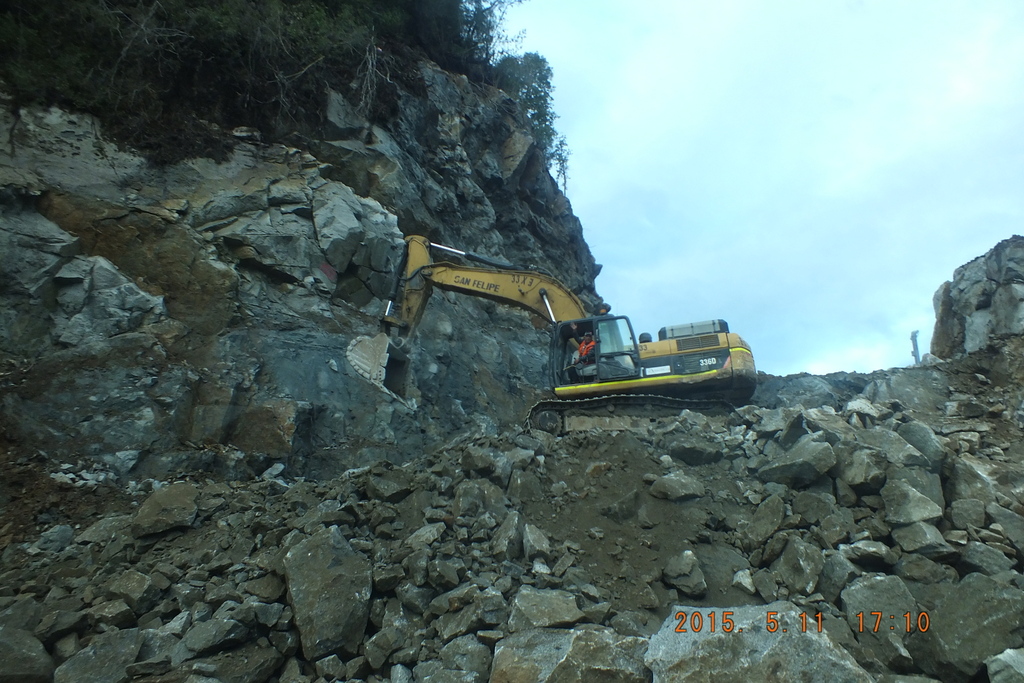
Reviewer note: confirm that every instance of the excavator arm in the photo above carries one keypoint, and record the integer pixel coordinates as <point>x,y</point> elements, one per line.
<point>530,290</point>
<point>382,360</point>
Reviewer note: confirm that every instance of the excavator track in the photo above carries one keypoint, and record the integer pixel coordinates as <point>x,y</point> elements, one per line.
<point>617,411</point>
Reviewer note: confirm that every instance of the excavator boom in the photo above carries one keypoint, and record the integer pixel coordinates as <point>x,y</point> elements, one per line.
<point>504,283</point>
<point>382,360</point>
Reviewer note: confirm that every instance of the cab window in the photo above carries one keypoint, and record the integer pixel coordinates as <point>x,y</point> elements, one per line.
<point>615,336</point>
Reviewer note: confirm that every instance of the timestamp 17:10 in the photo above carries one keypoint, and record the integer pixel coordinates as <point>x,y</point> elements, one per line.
<point>923,621</point>
<point>695,622</point>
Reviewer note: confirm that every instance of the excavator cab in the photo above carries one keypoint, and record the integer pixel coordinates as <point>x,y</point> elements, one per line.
<point>616,357</point>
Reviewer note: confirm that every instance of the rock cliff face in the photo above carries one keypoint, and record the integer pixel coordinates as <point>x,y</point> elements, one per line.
<point>181,317</point>
<point>985,300</point>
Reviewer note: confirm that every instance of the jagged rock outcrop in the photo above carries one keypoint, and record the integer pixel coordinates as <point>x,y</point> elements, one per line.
<point>192,314</point>
<point>985,299</point>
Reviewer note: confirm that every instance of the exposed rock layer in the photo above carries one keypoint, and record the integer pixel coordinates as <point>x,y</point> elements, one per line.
<point>211,304</point>
<point>984,300</point>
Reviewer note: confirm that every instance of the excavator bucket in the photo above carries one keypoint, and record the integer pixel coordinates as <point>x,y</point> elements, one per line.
<point>368,356</point>
<point>381,363</point>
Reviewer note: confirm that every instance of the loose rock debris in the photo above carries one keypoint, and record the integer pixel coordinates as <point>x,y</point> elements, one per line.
<point>836,544</point>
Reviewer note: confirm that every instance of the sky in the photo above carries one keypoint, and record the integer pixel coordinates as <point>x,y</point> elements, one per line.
<point>811,171</point>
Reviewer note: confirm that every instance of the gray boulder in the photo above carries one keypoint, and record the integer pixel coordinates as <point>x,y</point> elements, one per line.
<point>765,522</point>
<point>507,542</point>
<point>869,553</point>
<point>971,621</point>
<point>905,505</point>
<point>749,651</point>
<point>799,566</point>
<point>329,591</point>
<point>104,660</point>
<point>677,486</point>
<point>916,388</point>
<point>536,543</point>
<point>767,422</point>
<point>467,653</point>
<point>974,478</point>
<point>214,635</point>
<point>796,390</point>
<point>836,574</point>
<point>694,449</point>
<point>55,539</point>
<point>684,572</point>
<point>923,538</point>
<point>22,613</point>
<point>891,597</point>
<point>1012,524</point>
<point>136,590</point>
<point>978,557</point>
<point>96,302</point>
<point>250,663</point>
<point>896,449</point>
<point>580,655</point>
<point>32,251</point>
<point>967,512</point>
<point>23,659</point>
<point>354,230</point>
<point>477,496</point>
<point>1006,667</point>
<point>921,480</point>
<point>920,436</point>
<point>169,507</point>
<point>807,460</point>
<point>425,535</point>
<point>863,469</point>
<point>533,608</point>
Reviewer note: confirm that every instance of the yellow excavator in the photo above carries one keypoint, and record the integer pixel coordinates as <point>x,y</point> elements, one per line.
<point>696,361</point>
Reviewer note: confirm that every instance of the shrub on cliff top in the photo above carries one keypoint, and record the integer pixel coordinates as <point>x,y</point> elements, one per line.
<point>165,76</point>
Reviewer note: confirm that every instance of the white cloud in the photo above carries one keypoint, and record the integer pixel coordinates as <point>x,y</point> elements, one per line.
<point>811,171</point>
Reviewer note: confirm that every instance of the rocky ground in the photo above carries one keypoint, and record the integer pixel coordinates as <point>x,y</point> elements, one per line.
<point>664,552</point>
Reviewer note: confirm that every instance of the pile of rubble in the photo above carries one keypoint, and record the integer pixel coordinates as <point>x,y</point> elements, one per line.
<point>872,541</point>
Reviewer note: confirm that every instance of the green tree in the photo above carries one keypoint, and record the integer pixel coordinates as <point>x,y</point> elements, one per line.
<point>482,27</point>
<point>167,76</point>
<point>559,156</point>
<point>527,79</point>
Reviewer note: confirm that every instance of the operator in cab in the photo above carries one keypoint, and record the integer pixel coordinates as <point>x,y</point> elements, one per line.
<point>583,368</point>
